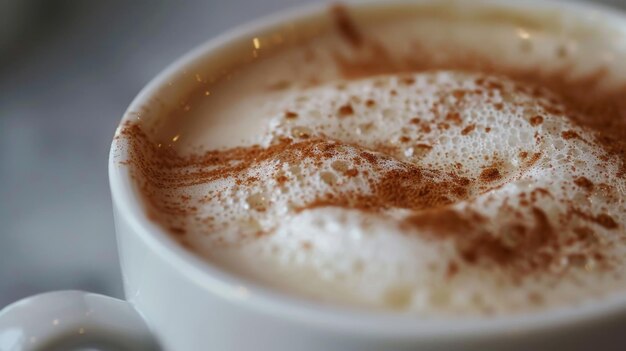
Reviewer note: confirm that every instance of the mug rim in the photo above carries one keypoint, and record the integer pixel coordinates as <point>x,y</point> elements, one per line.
<point>248,294</point>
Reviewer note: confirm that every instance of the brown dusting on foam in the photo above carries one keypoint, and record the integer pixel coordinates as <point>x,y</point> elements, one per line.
<point>606,221</point>
<point>570,134</point>
<point>602,219</point>
<point>522,238</point>
<point>411,188</point>
<point>582,99</point>
<point>444,222</point>
<point>468,129</point>
<point>584,183</point>
<point>454,118</point>
<point>345,110</point>
<point>536,120</point>
<point>351,172</point>
<point>423,147</point>
<point>291,115</point>
<point>345,26</point>
<point>490,174</point>
<point>529,161</point>
<point>523,247</point>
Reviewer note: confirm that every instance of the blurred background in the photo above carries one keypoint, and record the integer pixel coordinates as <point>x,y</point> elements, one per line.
<point>68,70</point>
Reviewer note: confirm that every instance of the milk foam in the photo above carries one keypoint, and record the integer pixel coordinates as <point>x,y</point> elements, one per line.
<point>370,257</point>
<point>313,210</point>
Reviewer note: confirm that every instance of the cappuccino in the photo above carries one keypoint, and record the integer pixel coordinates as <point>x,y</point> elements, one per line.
<point>444,159</point>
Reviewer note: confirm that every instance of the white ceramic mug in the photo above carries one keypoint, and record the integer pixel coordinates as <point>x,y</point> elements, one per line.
<point>176,301</point>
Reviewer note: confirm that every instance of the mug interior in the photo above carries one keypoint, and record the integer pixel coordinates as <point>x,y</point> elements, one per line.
<point>166,90</point>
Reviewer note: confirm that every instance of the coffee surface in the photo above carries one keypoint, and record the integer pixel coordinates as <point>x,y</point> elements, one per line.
<point>439,163</point>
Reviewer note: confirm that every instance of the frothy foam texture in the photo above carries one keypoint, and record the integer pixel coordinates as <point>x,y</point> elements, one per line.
<point>439,186</point>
